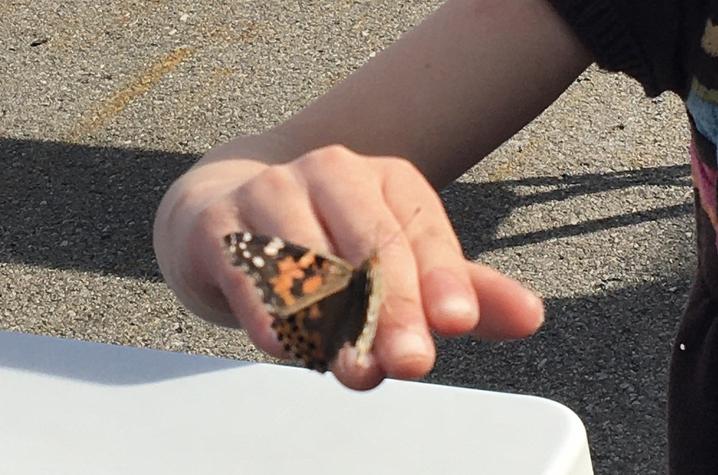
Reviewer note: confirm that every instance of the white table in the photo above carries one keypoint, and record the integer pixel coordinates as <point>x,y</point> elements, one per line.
<point>69,407</point>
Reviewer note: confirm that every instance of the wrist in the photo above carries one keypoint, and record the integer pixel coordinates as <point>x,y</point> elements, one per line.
<point>269,147</point>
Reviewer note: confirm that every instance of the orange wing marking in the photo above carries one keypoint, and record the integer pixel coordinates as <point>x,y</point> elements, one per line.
<point>289,270</point>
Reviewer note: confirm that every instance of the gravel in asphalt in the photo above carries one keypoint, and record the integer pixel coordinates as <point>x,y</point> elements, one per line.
<point>103,104</point>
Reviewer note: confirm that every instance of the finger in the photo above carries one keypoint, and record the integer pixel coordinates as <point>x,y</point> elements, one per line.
<point>356,374</point>
<point>253,317</point>
<point>276,203</point>
<point>214,275</point>
<point>448,297</point>
<point>508,310</point>
<point>273,203</point>
<point>403,344</point>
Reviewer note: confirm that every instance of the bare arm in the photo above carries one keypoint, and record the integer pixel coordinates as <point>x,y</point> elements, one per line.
<point>443,96</point>
<point>447,93</point>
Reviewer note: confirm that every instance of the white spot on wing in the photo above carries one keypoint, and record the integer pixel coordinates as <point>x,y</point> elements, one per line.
<point>272,249</point>
<point>243,245</point>
<point>246,254</point>
<point>232,243</point>
<point>246,237</point>
<point>258,261</point>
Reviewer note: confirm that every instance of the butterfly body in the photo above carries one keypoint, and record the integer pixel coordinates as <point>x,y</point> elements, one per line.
<point>319,302</point>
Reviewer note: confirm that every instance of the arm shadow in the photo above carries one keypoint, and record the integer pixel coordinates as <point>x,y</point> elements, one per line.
<point>70,206</point>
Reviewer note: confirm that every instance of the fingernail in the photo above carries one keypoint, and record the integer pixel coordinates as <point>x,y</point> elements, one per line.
<point>349,359</point>
<point>455,306</point>
<point>344,358</point>
<point>408,346</point>
<point>448,297</point>
<point>537,302</point>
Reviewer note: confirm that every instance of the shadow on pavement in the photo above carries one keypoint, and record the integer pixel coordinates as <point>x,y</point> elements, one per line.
<point>477,209</point>
<point>606,355</point>
<point>87,208</point>
<point>71,206</point>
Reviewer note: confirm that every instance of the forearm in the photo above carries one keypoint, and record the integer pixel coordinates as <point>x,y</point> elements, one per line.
<point>447,93</point>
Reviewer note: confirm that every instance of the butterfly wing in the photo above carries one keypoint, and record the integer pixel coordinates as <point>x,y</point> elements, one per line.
<point>316,334</point>
<point>288,277</point>
<point>319,302</point>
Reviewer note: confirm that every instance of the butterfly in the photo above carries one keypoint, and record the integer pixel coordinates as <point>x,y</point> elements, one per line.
<point>319,302</point>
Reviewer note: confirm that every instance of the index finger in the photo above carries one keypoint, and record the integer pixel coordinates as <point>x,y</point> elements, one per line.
<point>356,217</point>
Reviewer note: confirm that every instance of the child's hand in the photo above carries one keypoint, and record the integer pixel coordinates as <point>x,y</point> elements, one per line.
<point>336,201</point>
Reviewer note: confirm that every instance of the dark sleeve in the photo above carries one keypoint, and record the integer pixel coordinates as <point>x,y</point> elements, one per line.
<point>642,38</point>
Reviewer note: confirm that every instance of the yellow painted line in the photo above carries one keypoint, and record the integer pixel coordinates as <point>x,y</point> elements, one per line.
<point>119,101</point>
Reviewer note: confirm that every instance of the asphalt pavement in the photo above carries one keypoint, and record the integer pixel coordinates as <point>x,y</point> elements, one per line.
<point>103,104</point>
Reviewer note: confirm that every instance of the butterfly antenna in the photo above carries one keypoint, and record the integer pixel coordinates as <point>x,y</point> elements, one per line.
<point>402,228</point>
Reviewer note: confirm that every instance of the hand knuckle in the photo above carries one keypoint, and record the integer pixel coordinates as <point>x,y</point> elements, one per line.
<point>278,179</point>
<point>335,150</point>
<point>204,223</point>
<point>328,157</point>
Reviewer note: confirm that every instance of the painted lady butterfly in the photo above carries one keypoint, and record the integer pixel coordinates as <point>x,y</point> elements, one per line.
<point>319,302</point>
